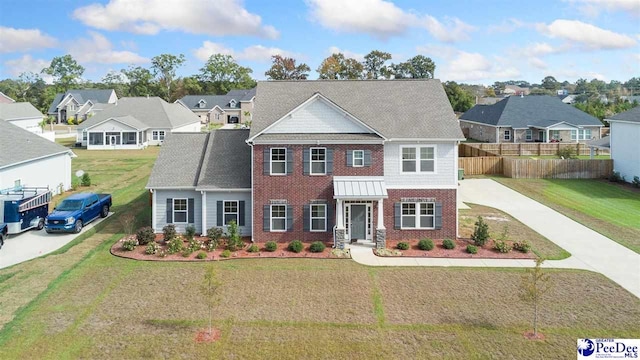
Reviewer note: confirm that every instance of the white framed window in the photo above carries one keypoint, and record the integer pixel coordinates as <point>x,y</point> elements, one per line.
<point>17,184</point>
<point>507,135</point>
<point>230,212</point>
<point>418,216</point>
<point>232,103</point>
<point>217,116</point>
<point>318,217</point>
<point>318,164</point>
<point>581,134</point>
<point>180,210</point>
<point>278,161</point>
<point>418,159</point>
<point>555,134</point>
<point>529,135</point>
<point>158,135</point>
<point>358,158</point>
<point>84,135</point>
<point>278,218</point>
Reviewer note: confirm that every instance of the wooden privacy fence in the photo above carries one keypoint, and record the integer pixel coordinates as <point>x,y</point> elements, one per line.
<point>556,168</point>
<point>480,165</point>
<point>523,149</point>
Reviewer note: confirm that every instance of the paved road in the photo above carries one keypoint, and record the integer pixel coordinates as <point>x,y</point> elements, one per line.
<point>32,244</point>
<point>590,250</point>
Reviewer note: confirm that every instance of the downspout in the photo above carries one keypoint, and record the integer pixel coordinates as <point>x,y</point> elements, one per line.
<point>253,220</point>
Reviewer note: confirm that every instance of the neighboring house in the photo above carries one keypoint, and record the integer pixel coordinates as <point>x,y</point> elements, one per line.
<point>27,159</point>
<point>358,157</point>
<point>22,114</point>
<point>625,147</point>
<point>134,123</point>
<point>568,99</point>
<point>529,119</point>
<point>80,104</point>
<point>515,90</point>
<point>4,99</point>
<point>233,108</point>
<point>202,179</point>
<point>488,100</point>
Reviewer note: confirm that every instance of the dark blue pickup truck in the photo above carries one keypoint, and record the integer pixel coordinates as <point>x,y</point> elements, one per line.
<point>76,211</point>
<point>3,233</point>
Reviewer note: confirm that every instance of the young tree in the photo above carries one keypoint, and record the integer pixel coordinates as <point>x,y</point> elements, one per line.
<point>550,83</point>
<point>418,67</point>
<point>337,67</point>
<point>164,67</point>
<point>222,73</point>
<point>534,285</point>
<point>209,289</point>
<point>284,68</point>
<point>65,70</point>
<point>460,99</point>
<point>374,64</point>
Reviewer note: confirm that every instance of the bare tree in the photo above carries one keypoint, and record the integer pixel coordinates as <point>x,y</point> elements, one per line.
<point>535,284</point>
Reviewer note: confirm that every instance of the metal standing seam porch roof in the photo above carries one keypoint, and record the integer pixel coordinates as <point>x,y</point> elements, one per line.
<point>359,187</point>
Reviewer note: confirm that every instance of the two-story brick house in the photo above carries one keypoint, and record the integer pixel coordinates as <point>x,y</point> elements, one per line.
<point>352,160</point>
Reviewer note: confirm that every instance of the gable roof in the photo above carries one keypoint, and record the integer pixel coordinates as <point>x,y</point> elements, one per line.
<point>5,99</point>
<point>19,110</point>
<point>222,101</point>
<point>153,112</point>
<point>217,160</point>
<point>632,115</point>
<point>521,112</point>
<point>82,96</point>
<point>18,145</point>
<point>396,109</point>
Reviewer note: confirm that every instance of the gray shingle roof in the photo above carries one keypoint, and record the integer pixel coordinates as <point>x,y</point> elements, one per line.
<point>227,163</point>
<point>178,163</point>
<point>292,137</point>
<point>18,145</point>
<point>222,101</point>
<point>522,112</point>
<point>18,110</point>
<point>632,115</point>
<point>153,112</point>
<point>82,95</point>
<point>394,108</point>
<point>604,142</point>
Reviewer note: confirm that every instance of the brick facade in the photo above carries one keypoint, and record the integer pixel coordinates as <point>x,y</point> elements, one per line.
<point>449,225</point>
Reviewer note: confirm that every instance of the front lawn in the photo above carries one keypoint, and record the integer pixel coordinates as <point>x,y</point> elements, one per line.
<point>610,209</point>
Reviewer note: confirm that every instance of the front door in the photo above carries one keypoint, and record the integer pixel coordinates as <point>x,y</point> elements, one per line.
<point>358,222</point>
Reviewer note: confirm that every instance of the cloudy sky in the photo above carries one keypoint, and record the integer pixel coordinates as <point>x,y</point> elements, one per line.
<point>470,41</point>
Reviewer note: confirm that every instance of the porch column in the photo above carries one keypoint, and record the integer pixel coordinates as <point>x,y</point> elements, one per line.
<point>339,214</point>
<point>548,135</point>
<point>203,208</point>
<point>380,215</point>
<point>154,211</point>
<point>381,232</point>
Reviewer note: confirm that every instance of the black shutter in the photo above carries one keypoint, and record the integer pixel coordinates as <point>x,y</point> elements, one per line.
<point>266,158</point>
<point>306,157</point>
<point>289,161</point>
<point>329,161</point>
<point>266,218</point>
<point>219,214</point>
<point>191,212</point>
<point>306,217</point>
<point>367,158</point>
<point>329,217</point>
<point>289,218</point>
<point>169,210</point>
<point>397,215</point>
<point>240,213</point>
<point>349,158</point>
<point>438,213</point>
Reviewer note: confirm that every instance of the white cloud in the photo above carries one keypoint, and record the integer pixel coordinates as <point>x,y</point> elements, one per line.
<point>464,66</point>
<point>383,19</point>
<point>595,75</point>
<point>98,49</point>
<point>537,63</point>
<point>218,18</point>
<point>27,63</point>
<point>595,7</point>
<point>257,53</point>
<point>20,40</point>
<point>346,53</point>
<point>507,26</point>
<point>588,36</point>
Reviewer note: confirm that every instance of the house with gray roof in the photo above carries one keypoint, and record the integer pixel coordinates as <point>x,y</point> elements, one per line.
<point>135,123</point>
<point>22,114</point>
<point>331,161</point>
<point>233,108</point>
<point>519,119</point>
<point>625,148</point>
<point>79,105</point>
<point>25,157</point>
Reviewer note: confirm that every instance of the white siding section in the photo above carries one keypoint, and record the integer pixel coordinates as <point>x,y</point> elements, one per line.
<point>57,169</point>
<point>318,116</point>
<point>193,127</point>
<point>625,149</point>
<point>445,167</point>
<point>32,124</point>
<point>111,125</point>
<point>161,208</point>
<point>212,212</point>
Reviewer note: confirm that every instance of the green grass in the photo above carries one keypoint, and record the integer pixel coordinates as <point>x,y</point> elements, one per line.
<point>608,208</point>
<point>583,157</point>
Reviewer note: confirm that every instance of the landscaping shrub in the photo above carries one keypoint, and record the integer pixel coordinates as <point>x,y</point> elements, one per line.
<point>85,180</point>
<point>253,248</point>
<point>234,241</point>
<point>317,247</point>
<point>190,231</point>
<point>175,245</point>
<point>162,253</point>
<point>271,246</point>
<point>425,244</point>
<point>145,235</point>
<point>615,177</point>
<point>472,249</point>
<point>152,248</point>
<point>448,244</point>
<point>502,246</point>
<point>296,246</point>
<point>403,245</point>
<point>566,153</point>
<point>186,252</point>
<point>480,232</point>
<point>129,245</point>
<point>522,246</point>
<point>636,181</point>
<point>201,255</point>
<point>195,245</point>
<point>225,254</point>
<point>169,232</point>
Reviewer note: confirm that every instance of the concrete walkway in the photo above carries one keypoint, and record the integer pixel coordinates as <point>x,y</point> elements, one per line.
<point>590,250</point>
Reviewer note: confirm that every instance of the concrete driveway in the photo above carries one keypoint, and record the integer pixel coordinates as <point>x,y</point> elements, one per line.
<point>33,243</point>
<point>589,249</point>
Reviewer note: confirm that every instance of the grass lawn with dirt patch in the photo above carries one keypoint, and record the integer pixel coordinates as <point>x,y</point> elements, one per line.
<point>608,208</point>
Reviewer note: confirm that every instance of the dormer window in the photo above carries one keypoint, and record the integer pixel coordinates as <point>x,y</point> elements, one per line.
<point>202,104</point>
<point>232,103</point>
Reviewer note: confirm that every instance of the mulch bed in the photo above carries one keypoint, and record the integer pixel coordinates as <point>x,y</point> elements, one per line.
<point>460,251</point>
<point>530,336</point>
<point>281,252</point>
<point>204,336</point>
